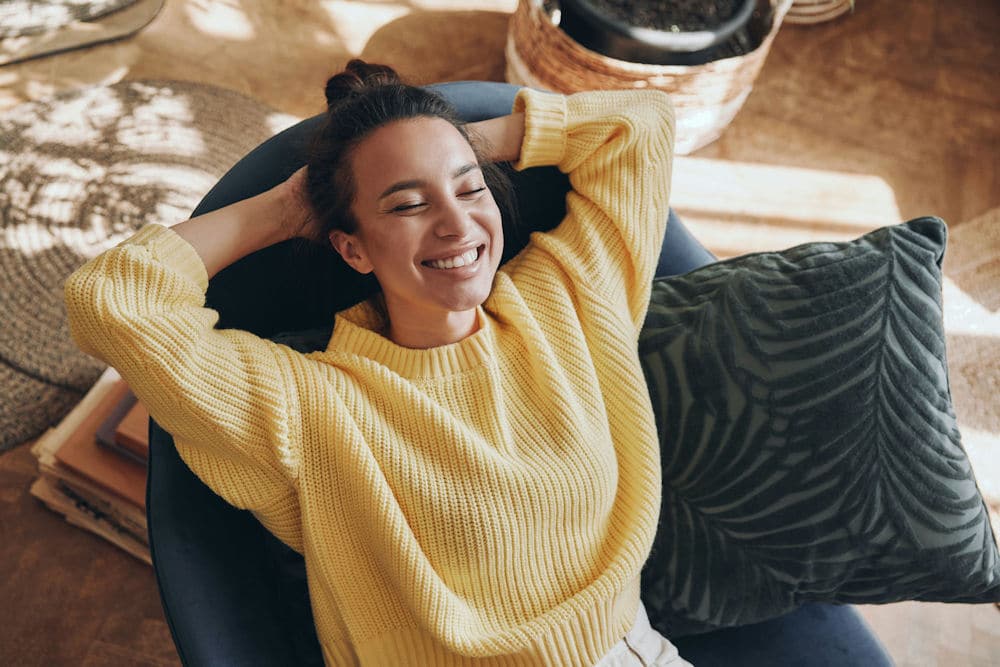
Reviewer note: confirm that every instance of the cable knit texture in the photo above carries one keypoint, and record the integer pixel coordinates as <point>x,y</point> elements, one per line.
<point>489,502</point>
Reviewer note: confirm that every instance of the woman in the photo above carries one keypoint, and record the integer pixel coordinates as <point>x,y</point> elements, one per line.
<point>470,468</point>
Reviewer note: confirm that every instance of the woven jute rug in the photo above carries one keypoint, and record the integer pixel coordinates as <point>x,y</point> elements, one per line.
<point>80,173</point>
<point>33,28</point>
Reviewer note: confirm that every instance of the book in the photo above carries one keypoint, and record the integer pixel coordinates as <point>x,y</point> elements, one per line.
<point>126,429</point>
<point>132,433</point>
<point>79,513</point>
<point>106,431</point>
<point>80,452</point>
<point>90,493</point>
<point>126,515</point>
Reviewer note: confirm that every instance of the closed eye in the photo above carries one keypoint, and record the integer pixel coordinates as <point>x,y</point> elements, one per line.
<point>404,208</point>
<point>407,207</point>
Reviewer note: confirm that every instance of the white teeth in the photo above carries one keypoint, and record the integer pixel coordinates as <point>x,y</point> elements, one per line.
<point>455,262</point>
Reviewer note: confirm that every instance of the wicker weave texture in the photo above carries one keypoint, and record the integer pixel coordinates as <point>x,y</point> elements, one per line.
<point>817,11</point>
<point>706,97</point>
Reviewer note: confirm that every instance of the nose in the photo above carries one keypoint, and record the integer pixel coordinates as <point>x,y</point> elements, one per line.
<point>453,220</point>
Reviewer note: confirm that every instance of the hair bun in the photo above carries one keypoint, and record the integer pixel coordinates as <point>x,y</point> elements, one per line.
<point>357,77</point>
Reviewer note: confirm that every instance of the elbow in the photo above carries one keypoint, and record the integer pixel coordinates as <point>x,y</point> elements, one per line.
<point>80,298</point>
<point>655,130</point>
<point>651,123</point>
<point>661,120</point>
<point>661,106</point>
<point>84,296</point>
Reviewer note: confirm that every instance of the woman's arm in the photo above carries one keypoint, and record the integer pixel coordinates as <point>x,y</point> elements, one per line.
<point>617,148</point>
<point>223,236</point>
<point>229,398</point>
<point>500,138</point>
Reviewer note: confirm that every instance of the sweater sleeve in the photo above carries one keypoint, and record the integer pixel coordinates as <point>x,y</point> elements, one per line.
<point>617,148</point>
<point>226,396</point>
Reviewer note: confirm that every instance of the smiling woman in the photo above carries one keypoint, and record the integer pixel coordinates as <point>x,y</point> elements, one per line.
<point>454,472</point>
<point>416,202</point>
<point>427,227</point>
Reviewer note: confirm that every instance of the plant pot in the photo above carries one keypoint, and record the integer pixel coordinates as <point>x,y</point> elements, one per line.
<point>706,97</point>
<point>593,28</point>
<point>818,11</point>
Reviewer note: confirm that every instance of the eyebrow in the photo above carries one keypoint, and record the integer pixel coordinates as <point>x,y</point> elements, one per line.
<point>416,183</point>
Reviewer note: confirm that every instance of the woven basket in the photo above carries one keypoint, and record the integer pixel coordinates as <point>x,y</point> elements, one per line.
<point>706,97</point>
<point>817,11</point>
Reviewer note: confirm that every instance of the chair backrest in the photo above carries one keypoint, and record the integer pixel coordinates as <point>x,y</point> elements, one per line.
<point>231,592</point>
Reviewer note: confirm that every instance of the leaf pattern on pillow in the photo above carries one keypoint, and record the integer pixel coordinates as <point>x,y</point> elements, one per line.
<point>809,447</point>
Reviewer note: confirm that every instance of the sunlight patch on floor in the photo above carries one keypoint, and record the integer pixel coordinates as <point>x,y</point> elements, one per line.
<point>165,124</point>
<point>964,314</point>
<point>739,207</point>
<point>362,18</point>
<point>465,5</point>
<point>982,448</point>
<point>277,121</point>
<point>224,19</point>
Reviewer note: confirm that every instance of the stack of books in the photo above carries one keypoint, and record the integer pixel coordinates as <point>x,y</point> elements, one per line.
<point>92,465</point>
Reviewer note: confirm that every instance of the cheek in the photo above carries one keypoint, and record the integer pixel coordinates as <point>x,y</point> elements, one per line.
<point>497,222</point>
<point>491,213</point>
<point>396,254</point>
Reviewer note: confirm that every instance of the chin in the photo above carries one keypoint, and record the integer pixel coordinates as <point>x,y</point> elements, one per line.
<point>468,299</point>
<point>465,303</point>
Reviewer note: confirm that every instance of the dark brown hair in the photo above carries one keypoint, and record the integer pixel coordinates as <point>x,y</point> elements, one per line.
<point>361,99</point>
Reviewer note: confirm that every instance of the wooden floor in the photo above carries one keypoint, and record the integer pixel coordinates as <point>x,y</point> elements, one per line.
<point>887,114</point>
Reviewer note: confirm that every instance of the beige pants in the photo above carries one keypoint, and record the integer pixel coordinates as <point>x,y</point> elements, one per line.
<point>643,647</point>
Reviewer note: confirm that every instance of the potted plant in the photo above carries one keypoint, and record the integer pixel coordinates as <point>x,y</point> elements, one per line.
<point>660,32</point>
<point>707,94</point>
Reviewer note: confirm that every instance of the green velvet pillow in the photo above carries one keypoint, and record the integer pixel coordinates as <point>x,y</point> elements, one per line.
<point>810,449</point>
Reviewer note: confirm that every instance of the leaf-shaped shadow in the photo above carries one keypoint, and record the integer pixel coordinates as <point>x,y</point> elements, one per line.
<point>79,173</point>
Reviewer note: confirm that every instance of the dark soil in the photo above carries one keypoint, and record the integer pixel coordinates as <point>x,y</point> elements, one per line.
<point>673,15</point>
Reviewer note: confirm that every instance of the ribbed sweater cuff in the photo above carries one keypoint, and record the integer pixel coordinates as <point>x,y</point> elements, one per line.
<point>165,244</point>
<point>544,128</point>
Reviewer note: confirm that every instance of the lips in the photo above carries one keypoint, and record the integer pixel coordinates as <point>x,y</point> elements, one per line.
<point>457,261</point>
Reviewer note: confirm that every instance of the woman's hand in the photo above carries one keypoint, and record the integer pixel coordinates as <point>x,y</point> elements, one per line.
<point>228,234</point>
<point>298,219</point>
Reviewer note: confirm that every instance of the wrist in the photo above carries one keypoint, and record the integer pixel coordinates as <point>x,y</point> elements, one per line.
<point>500,138</point>
<point>289,207</point>
<point>268,219</point>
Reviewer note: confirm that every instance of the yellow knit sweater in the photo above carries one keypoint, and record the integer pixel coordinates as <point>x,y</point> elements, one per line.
<point>489,502</point>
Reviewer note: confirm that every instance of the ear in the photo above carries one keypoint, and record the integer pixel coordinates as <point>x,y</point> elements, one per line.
<point>350,247</point>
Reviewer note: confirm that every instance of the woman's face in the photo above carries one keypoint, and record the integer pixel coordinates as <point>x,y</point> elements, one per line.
<point>428,227</point>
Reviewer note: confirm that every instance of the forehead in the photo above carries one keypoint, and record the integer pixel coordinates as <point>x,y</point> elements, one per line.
<point>415,148</point>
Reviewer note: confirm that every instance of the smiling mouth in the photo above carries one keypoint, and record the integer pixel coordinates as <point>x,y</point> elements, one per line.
<point>458,261</point>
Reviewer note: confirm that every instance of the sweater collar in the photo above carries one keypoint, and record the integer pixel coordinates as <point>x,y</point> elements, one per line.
<point>358,330</point>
